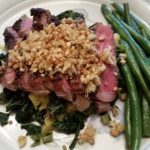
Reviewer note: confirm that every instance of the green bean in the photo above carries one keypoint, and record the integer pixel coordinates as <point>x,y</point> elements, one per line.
<point>136,132</point>
<point>140,56</point>
<point>139,23</point>
<point>142,25</point>
<point>145,44</point>
<point>144,34</point>
<point>74,142</point>
<point>131,61</point>
<point>117,15</point>
<point>127,14</point>
<point>127,119</point>
<point>145,117</point>
<point>116,24</point>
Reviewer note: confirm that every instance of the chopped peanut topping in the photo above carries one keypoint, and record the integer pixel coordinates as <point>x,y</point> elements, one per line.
<point>68,49</point>
<point>22,141</point>
<point>88,135</point>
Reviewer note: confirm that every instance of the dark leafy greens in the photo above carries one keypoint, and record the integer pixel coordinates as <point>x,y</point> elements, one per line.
<point>71,122</point>
<point>34,132</point>
<point>3,118</point>
<point>70,14</point>
<point>55,105</point>
<point>74,142</point>
<point>3,57</point>
<point>3,99</point>
<point>32,129</point>
<point>19,103</point>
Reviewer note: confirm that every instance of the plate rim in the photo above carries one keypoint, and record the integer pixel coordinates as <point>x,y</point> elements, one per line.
<point>26,3</point>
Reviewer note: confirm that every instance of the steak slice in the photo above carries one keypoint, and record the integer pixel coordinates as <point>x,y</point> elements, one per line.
<point>23,26</point>
<point>106,91</point>
<point>33,85</point>
<point>10,37</point>
<point>20,29</point>
<point>8,79</point>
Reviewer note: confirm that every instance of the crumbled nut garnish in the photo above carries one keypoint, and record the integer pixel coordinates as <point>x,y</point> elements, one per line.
<point>123,96</point>
<point>115,111</point>
<point>68,49</point>
<point>122,61</point>
<point>114,132</point>
<point>117,129</point>
<point>107,57</point>
<point>119,89</point>
<point>88,135</point>
<point>22,141</point>
<point>113,123</point>
<point>117,38</point>
<point>64,147</point>
<point>122,58</point>
<point>120,128</point>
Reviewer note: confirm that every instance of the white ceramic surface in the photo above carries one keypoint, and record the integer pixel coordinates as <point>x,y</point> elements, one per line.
<point>91,8</point>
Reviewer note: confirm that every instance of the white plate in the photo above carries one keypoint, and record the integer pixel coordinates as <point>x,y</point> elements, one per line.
<point>91,8</point>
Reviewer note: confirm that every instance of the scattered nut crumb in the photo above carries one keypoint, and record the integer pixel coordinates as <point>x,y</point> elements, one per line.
<point>114,132</point>
<point>22,141</point>
<point>123,96</point>
<point>120,128</point>
<point>117,38</point>
<point>122,61</point>
<point>119,89</point>
<point>122,56</point>
<point>113,123</point>
<point>88,135</point>
<point>115,111</point>
<point>117,130</point>
<point>64,147</point>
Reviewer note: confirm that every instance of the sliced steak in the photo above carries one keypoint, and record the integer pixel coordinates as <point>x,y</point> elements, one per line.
<point>20,29</point>
<point>105,41</point>
<point>81,103</point>
<point>24,81</point>
<point>38,87</point>
<point>8,80</point>
<point>76,85</point>
<point>62,89</point>
<point>41,18</point>
<point>10,37</point>
<point>102,106</point>
<point>23,26</point>
<point>35,85</point>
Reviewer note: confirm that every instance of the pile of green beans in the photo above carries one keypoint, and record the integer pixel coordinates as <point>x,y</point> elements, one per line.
<point>135,43</point>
